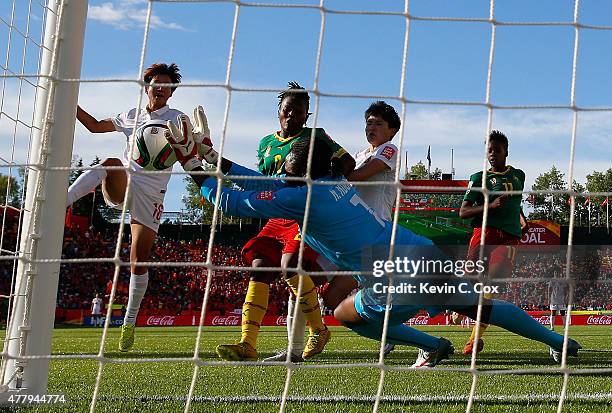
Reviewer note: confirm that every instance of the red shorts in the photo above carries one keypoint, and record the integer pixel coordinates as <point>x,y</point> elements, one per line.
<point>500,250</point>
<point>279,236</point>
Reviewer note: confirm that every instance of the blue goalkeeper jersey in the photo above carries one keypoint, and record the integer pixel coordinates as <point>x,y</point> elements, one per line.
<point>340,225</point>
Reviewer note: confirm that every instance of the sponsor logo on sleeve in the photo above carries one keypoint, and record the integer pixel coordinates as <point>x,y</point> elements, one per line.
<point>265,195</point>
<point>388,152</point>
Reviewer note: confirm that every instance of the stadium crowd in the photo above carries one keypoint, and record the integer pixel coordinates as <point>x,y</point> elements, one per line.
<point>591,269</point>
<point>173,289</point>
<point>177,290</point>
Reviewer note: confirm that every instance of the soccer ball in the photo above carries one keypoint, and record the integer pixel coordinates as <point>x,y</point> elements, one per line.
<point>151,149</point>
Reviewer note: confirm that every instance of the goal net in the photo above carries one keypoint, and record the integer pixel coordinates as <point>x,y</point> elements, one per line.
<point>198,279</point>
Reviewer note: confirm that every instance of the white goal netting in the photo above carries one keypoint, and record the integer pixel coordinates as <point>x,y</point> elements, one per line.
<point>194,379</point>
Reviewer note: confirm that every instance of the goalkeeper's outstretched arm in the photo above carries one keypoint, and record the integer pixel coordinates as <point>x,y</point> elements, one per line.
<point>232,202</point>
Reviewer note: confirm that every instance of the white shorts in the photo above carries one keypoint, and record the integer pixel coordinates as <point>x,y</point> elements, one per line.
<point>558,307</point>
<point>146,208</point>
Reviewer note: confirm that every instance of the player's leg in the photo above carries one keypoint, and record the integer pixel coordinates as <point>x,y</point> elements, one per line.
<point>565,315</point>
<point>258,252</point>
<point>113,181</point>
<point>330,296</point>
<point>499,248</point>
<point>143,239</point>
<point>337,290</point>
<point>553,313</point>
<point>295,331</point>
<point>368,321</point>
<point>308,301</point>
<point>512,318</point>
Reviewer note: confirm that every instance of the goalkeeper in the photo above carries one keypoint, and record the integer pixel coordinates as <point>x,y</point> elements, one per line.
<point>336,211</point>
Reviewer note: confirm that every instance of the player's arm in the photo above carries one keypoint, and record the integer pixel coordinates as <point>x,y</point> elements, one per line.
<point>524,223</point>
<point>473,201</point>
<point>252,184</point>
<point>201,136</point>
<point>92,124</point>
<point>234,169</point>
<point>522,218</point>
<point>342,161</point>
<point>383,160</point>
<point>285,203</point>
<point>469,210</point>
<point>237,203</point>
<point>365,172</point>
<point>345,164</point>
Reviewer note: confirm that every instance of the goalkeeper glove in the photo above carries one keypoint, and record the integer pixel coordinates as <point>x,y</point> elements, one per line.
<point>201,136</point>
<point>181,139</point>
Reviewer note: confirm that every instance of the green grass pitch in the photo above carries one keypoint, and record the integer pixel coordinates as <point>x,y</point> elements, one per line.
<point>162,387</point>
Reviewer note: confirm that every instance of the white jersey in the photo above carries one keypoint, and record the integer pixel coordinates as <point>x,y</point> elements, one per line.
<point>96,306</point>
<point>379,197</point>
<point>124,123</point>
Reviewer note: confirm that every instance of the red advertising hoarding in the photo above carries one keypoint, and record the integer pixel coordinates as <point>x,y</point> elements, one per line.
<point>542,233</point>
<point>421,319</point>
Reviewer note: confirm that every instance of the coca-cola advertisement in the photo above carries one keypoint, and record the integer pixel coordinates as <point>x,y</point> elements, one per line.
<point>421,319</point>
<point>166,320</point>
<point>225,320</point>
<point>599,320</point>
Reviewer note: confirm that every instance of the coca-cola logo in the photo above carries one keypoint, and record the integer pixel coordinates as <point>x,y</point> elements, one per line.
<point>599,320</point>
<point>544,320</point>
<point>281,320</point>
<point>230,320</point>
<point>166,320</point>
<point>420,320</point>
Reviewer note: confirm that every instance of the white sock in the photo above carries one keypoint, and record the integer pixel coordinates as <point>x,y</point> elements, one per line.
<point>138,287</point>
<point>299,325</point>
<point>85,183</point>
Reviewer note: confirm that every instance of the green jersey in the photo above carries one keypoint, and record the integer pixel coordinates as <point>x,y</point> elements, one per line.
<point>507,218</point>
<point>273,150</point>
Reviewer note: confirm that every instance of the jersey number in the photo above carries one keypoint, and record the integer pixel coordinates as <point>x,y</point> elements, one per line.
<point>278,163</point>
<point>507,186</point>
<point>355,200</point>
<point>158,209</point>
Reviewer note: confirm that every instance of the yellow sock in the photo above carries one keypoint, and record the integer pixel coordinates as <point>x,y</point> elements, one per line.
<point>253,311</point>
<point>482,329</point>
<point>309,301</point>
<point>483,326</point>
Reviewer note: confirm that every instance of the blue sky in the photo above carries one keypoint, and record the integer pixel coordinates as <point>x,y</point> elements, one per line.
<point>447,61</point>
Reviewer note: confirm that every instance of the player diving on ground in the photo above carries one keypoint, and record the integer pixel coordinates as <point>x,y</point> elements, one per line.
<point>335,211</point>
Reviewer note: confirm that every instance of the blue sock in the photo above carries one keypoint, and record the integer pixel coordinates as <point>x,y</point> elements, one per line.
<point>512,318</point>
<point>396,334</point>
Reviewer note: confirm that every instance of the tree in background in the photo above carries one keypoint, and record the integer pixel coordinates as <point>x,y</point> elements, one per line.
<point>12,185</point>
<point>417,171</point>
<point>556,207</point>
<point>552,207</point>
<point>599,182</point>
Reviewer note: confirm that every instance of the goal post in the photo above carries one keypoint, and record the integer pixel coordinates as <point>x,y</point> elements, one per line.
<point>30,324</point>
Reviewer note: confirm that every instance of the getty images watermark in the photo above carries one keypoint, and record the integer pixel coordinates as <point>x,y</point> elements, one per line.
<point>424,275</point>
<point>404,267</point>
<point>430,275</point>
